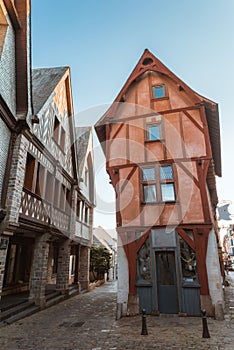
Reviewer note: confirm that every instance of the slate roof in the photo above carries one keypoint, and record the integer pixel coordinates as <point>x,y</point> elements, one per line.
<point>44,81</point>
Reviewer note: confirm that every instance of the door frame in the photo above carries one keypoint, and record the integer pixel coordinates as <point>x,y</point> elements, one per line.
<point>155,280</point>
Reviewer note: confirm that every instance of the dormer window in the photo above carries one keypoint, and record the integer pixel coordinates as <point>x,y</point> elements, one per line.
<point>159,91</point>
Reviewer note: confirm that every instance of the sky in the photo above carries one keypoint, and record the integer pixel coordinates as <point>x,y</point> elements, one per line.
<point>103,40</point>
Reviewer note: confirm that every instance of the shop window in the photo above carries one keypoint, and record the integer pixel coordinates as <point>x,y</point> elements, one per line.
<point>188,262</point>
<point>159,91</point>
<point>144,262</point>
<point>153,132</point>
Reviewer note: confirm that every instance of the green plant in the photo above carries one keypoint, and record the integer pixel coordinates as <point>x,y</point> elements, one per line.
<point>100,262</point>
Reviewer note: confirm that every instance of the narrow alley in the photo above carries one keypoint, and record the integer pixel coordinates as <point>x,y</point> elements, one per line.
<point>87,322</point>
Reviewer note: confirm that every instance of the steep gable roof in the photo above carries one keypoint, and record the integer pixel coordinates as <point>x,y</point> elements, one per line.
<point>148,62</point>
<point>44,81</point>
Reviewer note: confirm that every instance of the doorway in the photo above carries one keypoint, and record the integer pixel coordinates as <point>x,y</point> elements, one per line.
<point>167,289</point>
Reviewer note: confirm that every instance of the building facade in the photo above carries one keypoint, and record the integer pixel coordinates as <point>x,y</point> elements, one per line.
<point>162,146</point>
<point>44,244</point>
<point>15,97</point>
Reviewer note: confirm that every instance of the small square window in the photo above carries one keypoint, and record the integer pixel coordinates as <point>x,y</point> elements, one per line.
<point>159,91</point>
<point>167,192</point>
<point>166,172</point>
<point>153,132</point>
<point>150,193</point>
<point>148,174</point>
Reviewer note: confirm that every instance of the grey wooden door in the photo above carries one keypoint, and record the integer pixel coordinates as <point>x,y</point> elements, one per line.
<point>166,282</point>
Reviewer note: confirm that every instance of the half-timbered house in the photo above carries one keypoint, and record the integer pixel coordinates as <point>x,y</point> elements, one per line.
<point>44,245</point>
<point>162,145</point>
<point>15,104</point>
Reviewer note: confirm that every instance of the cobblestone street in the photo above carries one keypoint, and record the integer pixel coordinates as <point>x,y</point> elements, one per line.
<point>88,321</point>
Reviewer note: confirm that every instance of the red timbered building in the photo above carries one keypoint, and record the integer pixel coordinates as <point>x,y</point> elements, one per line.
<point>162,145</point>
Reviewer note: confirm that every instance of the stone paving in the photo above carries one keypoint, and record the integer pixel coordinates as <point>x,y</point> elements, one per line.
<point>88,322</point>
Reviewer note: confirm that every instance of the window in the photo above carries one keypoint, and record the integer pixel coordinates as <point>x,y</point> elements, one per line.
<point>49,187</point>
<point>153,132</point>
<point>56,129</point>
<point>188,262</point>
<point>59,134</point>
<point>158,184</point>
<point>63,138</point>
<point>86,176</point>
<point>159,91</point>
<point>29,173</point>
<point>86,218</point>
<point>149,193</point>
<point>167,188</point>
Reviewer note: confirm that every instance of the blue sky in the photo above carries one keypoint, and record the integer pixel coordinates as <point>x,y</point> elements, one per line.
<point>103,40</point>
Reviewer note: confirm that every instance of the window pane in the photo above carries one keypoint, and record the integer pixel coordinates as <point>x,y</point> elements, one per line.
<point>153,132</point>
<point>148,174</point>
<point>150,193</point>
<point>166,172</point>
<point>158,91</point>
<point>168,193</point>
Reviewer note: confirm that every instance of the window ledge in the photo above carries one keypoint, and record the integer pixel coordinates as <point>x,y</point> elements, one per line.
<point>154,99</point>
<point>160,203</point>
<point>149,141</point>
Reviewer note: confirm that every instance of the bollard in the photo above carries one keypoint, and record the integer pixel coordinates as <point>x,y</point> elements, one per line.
<point>144,327</point>
<point>205,332</point>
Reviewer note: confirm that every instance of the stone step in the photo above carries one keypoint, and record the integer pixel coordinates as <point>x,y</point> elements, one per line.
<point>19,315</point>
<point>55,300</point>
<point>15,309</point>
<point>52,295</point>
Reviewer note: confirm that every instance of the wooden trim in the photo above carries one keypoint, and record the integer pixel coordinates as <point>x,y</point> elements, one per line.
<point>6,114</point>
<point>13,14</point>
<point>201,242</point>
<point>152,114</point>
<point>194,121</point>
<point>127,179</point>
<point>187,172</point>
<point>182,136</point>
<point>202,185</point>
<point>186,238</point>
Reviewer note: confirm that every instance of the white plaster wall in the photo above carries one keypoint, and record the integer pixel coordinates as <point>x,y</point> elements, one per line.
<point>213,270</point>
<point>123,279</point>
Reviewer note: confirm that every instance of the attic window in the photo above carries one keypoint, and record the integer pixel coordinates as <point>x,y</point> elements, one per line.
<point>147,61</point>
<point>159,91</point>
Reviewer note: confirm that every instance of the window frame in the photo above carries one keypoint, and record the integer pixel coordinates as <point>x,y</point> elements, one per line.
<point>154,91</point>
<point>149,134</point>
<point>157,182</point>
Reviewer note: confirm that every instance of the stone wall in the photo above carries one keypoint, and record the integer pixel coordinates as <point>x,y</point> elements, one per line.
<point>16,179</point>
